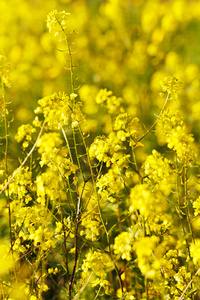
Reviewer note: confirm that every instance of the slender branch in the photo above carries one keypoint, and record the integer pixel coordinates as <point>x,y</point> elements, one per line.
<point>186,288</point>
<point>6,161</point>
<point>83,287</point>
<point>76,242</point>
<point>155,122</point>
<point>24,161</point>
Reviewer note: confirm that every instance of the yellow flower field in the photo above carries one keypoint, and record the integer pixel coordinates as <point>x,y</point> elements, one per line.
<point>99,144</point>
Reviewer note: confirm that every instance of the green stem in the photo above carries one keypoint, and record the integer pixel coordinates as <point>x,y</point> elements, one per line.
<point>155,122</point>
<point>6,161</point>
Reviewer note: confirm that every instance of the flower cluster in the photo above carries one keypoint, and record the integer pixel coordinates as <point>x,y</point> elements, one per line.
<point>172,131</point>
<point>5,71</point>
<point>147,262</point>
<point>128,128</point>
<point>107,98</point>
<point>24,133</point>
<point>99,263</point>
<point>123,245</point>
<point>110,185</point>
<point>107,149</point>
<point>57,21</point>
<point>158,172</point>
<point>152,209</point>
<point>55,109</point>
<point>20,187</point>
<point>171,85</point>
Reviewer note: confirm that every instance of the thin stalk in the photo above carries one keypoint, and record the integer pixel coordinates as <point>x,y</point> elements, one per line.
<point>76,243</point>
<point>83,287</point>
<point>65,237</point>
<point>188,285</point>
<point>93,180</point>
<point>146,288</point>
<point>71,67</point>
<point>98,292</point>
<point>179,210</point>
<point>99,209</point>
<point>155,122</point>
<point>186,203</point>
<point>6,161</point>
<point>24,161</point>
<point>78,161</point>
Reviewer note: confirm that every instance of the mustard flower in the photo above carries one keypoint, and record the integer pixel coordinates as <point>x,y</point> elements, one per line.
<point>171,130</point>
<point>47,187</point>
<point>43,287</point>
<point>90,220</point>
<point>98,263</point>
<point>147,262</point>
<point>127,127</point>
<point>170,263</point>
<point>24,133</point>
<point>48,142</point>
<point>56,110</point>
<point>42,237</point>
<point>108,149</point>
<point>59,227</point>
<point>112,102</point>
<point>6,259</point>
<point>109,185</point>
<point>35,226</point>
<point>171,85</point>
<point>5,71</point>
<point>196,205</point>
<point>53,271</point>
<point>123,245</point>
<point>92,225</point>
<point>52,156</point>
<point>147,202</point>
<point>158,172</point>
<point>20,186</point>
<point>57,21</point>
<point>87,94</point>
<point>182,277</point>
<point>59,111</point>
<point>101,148</point>
<point>195,251</point>
<point>126,295</point>
<point>77,116</point>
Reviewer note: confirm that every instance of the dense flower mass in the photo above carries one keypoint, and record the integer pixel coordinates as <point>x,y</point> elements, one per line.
<point>172,130</point>
<point>100,192</point>
<point>158,172</point>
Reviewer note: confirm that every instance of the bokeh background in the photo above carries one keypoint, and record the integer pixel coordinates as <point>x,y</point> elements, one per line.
<point>125,46</point>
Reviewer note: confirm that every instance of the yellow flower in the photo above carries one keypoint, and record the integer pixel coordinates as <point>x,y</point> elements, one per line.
<point>195,251</point>
<point>144,249</point>
<point>112,102</point>
<point>5,71</point>
<point>57,21</point>
<point>171,85</point>
<point>24,132</point>
<point>158,172</point>
<point>6,259</point>
<point>98,263</point>
<point>123,245</point>
<point>171,130</point>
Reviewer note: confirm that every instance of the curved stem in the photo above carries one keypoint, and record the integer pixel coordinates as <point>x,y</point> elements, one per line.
<point>155,122</point>
<point>24,161</point>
